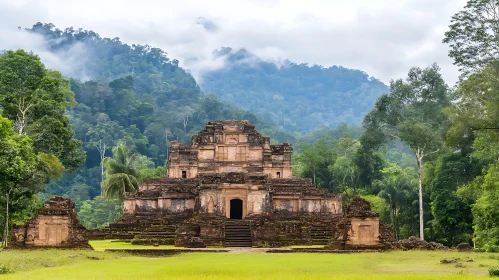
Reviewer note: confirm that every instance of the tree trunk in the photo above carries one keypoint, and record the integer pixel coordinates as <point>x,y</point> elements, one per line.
<point>101,172</point>
<point>102,152</point>
<point>395,224</point>
<point>186,122</point>
<point>314,177</point>
<point>167,148</point>
<point>6,229</point>
<point>420,187</point>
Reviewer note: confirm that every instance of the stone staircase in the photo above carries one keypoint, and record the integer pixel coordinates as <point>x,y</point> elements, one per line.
<point>156,234</point>
<point>320,234</point>
<point>141,229</point>
<point>237,234</point>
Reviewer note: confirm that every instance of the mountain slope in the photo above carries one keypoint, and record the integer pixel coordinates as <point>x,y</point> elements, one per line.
<point>134,94</point>
<point>298,97</point>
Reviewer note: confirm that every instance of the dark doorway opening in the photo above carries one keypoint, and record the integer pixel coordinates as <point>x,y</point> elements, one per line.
<point>184,174</point>
<point>236,209</point>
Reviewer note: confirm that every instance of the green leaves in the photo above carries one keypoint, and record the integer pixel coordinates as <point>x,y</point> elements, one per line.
<point>99,212</point>
<point>35,99</point>
<point>412,112</point>
<point>121,173</point>
<point>473,35</point>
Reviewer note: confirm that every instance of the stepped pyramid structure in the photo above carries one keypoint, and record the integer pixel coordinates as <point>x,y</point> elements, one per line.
<point>231,187</point>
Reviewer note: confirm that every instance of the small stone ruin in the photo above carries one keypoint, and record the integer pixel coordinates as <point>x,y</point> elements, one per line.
<point>54,225</point>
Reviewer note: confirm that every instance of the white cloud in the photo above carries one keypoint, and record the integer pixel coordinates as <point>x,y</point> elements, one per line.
<point>383,38</point>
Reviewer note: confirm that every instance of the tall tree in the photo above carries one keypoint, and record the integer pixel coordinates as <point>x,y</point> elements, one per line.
<point>412,112</point>
<point>17,163</point>
<point>474,35</point>
<point>474,116</point>
<point>451,213</point>
<point>35,100</point>
<point>121,173</point>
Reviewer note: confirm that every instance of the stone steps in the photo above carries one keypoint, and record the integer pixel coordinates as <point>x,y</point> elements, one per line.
<point>320,235</point>
<point>237,234</point>
<point>156,234</point>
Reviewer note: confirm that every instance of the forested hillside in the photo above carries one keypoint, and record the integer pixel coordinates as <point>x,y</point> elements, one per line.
<point>135,95</point>
<point>297,97</point>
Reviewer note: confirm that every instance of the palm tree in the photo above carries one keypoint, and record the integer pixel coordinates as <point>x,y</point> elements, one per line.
<point>121,173</point>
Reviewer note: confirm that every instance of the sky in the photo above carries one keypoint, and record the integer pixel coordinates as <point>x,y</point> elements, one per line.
<point>384,38</point>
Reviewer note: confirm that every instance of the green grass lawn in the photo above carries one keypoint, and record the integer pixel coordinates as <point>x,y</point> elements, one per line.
<point>86,264</point>
<point>305,246</point>
<point>101,245</point>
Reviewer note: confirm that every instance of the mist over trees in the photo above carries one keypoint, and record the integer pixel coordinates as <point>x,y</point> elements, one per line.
<point>138,96</point>
<point>296,97</point>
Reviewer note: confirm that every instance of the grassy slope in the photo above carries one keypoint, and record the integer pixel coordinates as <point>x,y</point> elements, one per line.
<point>55,264</point>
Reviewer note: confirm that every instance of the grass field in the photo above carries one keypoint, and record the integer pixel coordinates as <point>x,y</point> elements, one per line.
<point>101,245</point>
<point>86,264</point>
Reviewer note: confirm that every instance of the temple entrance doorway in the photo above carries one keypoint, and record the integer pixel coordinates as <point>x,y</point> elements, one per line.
<point>236,209</point>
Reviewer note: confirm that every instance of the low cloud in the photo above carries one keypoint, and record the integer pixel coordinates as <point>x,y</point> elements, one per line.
<point>70,61</point>
<point>382,38</point>
<point>208,25</point>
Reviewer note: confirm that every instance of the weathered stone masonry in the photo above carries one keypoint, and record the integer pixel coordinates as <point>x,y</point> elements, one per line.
<point>54,225</point>
<point>231,173</point>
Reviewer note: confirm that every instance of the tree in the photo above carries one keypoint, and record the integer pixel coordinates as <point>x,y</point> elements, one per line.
<point>102,136</point>
<point>412,112</point>
<point>486,209</point>
<point>35,100</point>
<point>474,35</point>
<point>395,187</point>
<point>184,115</point>
<point>313,161</point>
<point>451,213</point>
<point>474,117</point>
<point>17,163</point>
<point>344,170</point>
<point>99,212</point>
<point>121,173</point>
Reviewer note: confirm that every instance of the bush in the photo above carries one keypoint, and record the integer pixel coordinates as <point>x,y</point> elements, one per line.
<point>4,269</point>
<point>494,271</point>
<point>491,248</point>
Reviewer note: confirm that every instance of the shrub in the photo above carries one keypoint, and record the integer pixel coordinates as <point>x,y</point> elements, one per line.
<point>491,248</point>
<point>4,269</point>
<point>494,271</point>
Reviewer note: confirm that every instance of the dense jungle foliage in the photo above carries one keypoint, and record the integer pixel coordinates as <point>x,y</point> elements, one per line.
<point>297,97</point>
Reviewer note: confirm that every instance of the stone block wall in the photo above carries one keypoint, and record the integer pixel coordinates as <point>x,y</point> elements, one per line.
<point>54,225</point>
<point>294,229</point>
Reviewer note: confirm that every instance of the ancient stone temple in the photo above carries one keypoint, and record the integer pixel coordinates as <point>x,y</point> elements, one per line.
<point>232,187</point>
<point>54,225</point>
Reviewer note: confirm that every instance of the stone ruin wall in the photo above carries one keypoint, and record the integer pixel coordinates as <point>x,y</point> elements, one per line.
<point>229,146</point>
<point>54,225</point>
<point>211,194</point>
<point>356,229</point>
<point>230,160</point>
